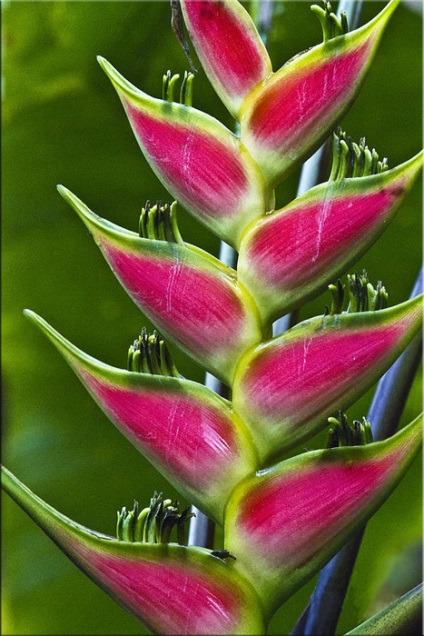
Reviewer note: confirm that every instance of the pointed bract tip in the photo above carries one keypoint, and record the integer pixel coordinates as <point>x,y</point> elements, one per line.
<point>407,170</point>
<point>44,326</point>
<point>86,215</point>
<point>47,329</point>
<point>415,163</point>
<point>80,208</point>
<point>28,313</point>
<point>119,82</point>
<point>105,65</point>
<point>61,189</point>
<point>385,14</point>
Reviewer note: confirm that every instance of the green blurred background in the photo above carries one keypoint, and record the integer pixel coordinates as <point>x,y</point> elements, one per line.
<point>63,123</point>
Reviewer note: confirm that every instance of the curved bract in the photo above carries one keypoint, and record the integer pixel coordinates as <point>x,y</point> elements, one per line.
<point>229,47</point>
<point>189,433</point>
<point>157,583</point>
<point>294,516</point>
<point>291,255</point>
<point>202,164</point>
<point>194,299</point>
<point>285,388</point>
<point>294,110</point>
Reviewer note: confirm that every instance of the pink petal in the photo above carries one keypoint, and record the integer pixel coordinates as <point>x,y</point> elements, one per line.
<point>288,117</point>
<point>190,296</point>
<point>294,253</point>
<point>202,164</point>
<point>294,516</point>
<point>229,47</point>
<point>287,387</point>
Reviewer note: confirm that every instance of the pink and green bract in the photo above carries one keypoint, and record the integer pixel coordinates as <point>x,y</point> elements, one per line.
<point>293,382</point>
<point>170,587</point>
<point>295,515</point>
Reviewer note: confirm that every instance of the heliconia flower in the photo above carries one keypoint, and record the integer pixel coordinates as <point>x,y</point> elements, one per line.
<point>193,298</point>
<point>286,387</point>
<point>173,589</point>
<point>187,431</point>
<point>287,521</point>
<point>201,163</point>
<point>229,48</point>
<point>290,256</point>
<point>286,117</point>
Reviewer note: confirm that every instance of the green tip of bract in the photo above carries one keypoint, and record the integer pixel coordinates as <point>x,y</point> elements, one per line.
<point>118,80</point>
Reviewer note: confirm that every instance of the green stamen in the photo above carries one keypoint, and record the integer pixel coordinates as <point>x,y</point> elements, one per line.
<point>351,160</point>
<point>153,524</point>
<point>149,354</point>
<point>159,223</point>
<point>169,82</point>
<point>362,295</point>
<point>186,93</point>
<point>342,433</point>
<point>331,25</point>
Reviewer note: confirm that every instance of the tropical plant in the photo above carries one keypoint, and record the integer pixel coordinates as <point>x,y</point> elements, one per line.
<point>284,513</point>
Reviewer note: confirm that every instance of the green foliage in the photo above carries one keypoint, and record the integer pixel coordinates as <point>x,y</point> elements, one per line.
<point>62,123</point>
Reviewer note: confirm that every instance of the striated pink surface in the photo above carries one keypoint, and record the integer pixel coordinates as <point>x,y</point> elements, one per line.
<point>293,515</point>
<point>306,98</point>
<point>228,47</point>
<point>171,598</point>
<point>205,173</point>
<point>193,440</point>
<point>201,311</point>
<point>297,378</point>
<point>293,247</point>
